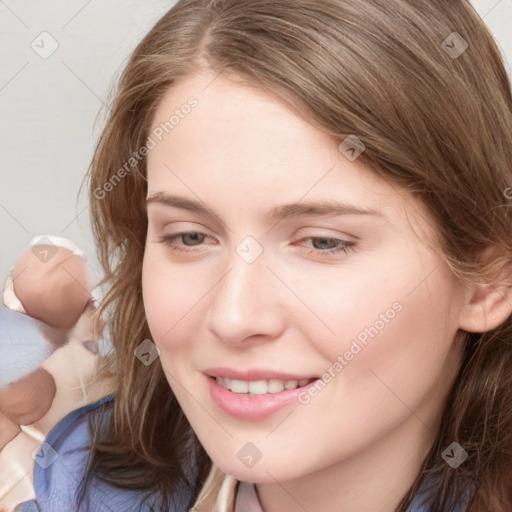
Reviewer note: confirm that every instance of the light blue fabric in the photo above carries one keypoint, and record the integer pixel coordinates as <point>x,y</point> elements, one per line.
<point>60,466</point>
<point>23,347</point>
<point>416,504</point>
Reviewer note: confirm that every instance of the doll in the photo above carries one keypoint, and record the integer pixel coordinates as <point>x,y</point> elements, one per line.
<point>45,295</point>
<point>48,327</point>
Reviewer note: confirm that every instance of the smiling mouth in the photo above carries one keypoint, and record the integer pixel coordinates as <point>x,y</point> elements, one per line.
<point>260,387</point>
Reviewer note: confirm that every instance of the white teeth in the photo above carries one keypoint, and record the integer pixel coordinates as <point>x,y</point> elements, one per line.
<point>275,386</point>
<point>291,384</point>
<point>260,387</point>
<point>239,386</point>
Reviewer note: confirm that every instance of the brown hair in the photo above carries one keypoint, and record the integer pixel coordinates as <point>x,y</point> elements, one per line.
<point>435,120</point>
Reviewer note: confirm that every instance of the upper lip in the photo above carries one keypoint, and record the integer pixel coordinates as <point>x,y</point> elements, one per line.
<point>253,374</point>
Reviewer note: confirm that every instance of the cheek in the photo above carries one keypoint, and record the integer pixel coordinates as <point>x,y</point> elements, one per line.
<point>349,306</point>
<point>171,300</point>
<point>159,296</point>
<point>390,319</point>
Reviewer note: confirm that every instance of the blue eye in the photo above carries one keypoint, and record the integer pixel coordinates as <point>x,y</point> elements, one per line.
<point>170,240</point>
<point>338,246</point>
<point>330,245</point>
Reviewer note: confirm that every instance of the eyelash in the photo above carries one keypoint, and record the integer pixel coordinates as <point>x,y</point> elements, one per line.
<point>344,247</point>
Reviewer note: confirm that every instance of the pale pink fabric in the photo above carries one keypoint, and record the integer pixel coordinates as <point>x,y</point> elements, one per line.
<point>247,499</point>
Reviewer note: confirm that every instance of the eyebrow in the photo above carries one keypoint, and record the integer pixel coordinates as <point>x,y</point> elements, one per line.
<point>319,208</point>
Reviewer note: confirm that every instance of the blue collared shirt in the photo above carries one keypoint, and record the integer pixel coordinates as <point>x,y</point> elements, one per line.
<point>59,469</point>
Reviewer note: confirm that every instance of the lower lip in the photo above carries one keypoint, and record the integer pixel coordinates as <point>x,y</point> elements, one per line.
<point>252,407</point>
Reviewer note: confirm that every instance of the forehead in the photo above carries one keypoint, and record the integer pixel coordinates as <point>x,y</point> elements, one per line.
<point>237,130</point>
<point>242,147</point>
<point>230,116</point>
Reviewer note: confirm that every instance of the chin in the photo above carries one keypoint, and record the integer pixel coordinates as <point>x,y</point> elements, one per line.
<point>262,472</point>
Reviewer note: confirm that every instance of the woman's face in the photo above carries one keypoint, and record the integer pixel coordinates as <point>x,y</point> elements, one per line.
<point>302,312</point>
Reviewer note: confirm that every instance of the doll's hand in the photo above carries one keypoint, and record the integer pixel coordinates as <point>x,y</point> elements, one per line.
<point>54,291</point>
<point>8,430</point>
<point>24,402</point>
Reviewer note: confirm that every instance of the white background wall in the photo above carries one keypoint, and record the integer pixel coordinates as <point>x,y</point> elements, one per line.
<point>49,106</point>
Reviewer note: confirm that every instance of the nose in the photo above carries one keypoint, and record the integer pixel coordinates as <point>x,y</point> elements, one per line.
<point>246,305</point>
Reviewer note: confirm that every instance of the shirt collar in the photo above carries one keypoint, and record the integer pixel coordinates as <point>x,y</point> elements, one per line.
<point>247,498</point>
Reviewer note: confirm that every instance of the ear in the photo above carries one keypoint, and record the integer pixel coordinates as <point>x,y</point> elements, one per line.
<point>488,303</point>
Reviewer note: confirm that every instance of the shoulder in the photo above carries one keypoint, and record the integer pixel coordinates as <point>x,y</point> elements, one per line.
<point>61,462</point>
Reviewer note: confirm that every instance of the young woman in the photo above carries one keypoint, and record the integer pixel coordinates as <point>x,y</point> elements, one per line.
<point>303,210</point>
